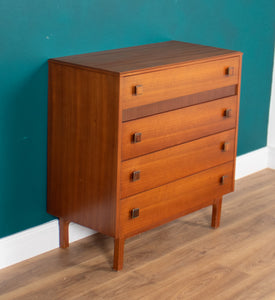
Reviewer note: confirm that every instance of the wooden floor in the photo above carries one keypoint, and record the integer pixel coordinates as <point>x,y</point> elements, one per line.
<point>184,259</point>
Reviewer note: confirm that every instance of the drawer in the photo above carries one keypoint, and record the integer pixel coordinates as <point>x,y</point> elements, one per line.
<point>155,86</point>
<point>151,170</point>
<point>176,127</point>
<point>165,203</point>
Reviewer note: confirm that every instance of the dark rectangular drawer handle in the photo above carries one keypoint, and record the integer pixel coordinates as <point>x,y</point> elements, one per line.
<point>135,175</point>
<point>229,71</point>
<point>134,213</point>
<point>136,138</point>
<point>138,90</point>
<point>225,147</point>
<point>227,113</point>
<point>223,179</point>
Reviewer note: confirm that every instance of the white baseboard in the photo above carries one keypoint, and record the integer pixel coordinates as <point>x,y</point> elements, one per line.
<point>43,238</point>
<point>35,241</point>
<point>271,157</point>
<point>251,162</point>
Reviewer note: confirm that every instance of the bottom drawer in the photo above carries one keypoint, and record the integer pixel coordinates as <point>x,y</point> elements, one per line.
<point>167,202</point>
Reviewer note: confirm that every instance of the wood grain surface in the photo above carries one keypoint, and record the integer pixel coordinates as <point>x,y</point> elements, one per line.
<point>178,126</point>
<point>140,58</point>
<point>167,202</point>
<point>83,128</point>
<point>170,164</point>
<point>238,110</point>
<point>177,82</point>
<point>179,102</point>
<point>184,259</point>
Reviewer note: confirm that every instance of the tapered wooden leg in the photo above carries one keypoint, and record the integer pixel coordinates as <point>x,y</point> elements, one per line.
<point>118,254</point>
<point>216,213</point>
<point>63,233</point>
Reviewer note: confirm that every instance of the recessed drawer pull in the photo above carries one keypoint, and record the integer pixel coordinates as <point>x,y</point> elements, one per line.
<point>134,213</point>
<point>135,175</point>
<point>223,179</point>
<point>225,147</point>
<point>138,90</point>
<point>136,138</point>
<point>228,113</point>
<point>229,71</point>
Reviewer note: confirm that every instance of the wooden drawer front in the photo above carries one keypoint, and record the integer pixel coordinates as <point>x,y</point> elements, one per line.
<point>175,162</point>
<point>177,103</point>
<point>178,126</point>
<point>167,202</point>
<point>155,86</point>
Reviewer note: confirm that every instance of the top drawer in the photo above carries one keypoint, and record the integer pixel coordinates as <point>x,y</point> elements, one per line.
<point>155,86</point>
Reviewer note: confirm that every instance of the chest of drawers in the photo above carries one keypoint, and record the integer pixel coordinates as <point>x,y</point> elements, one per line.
<point>140,136</point>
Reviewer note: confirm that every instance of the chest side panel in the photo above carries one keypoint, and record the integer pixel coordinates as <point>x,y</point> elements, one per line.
<point>82,146</point>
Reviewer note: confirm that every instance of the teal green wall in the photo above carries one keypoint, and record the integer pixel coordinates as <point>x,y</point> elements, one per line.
<point>33,31</point>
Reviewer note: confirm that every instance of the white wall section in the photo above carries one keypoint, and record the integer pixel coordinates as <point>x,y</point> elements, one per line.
<point>271,124</point>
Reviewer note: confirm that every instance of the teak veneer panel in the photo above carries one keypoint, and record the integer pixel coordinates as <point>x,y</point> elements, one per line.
<point>173,200</point>
<point>141,58</point>
<point>177,126</point>
<point>82,146</point>
<point>176,103</point>
<point>170,164</point>
<point>176,82</point>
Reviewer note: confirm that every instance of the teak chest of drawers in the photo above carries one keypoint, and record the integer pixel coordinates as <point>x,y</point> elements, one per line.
<point>140,136</point>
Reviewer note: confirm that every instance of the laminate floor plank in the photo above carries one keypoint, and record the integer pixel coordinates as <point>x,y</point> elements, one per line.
<point>178,265</point>
<point>260,286</point>
<point>184,259</point>
<point>79,276</point>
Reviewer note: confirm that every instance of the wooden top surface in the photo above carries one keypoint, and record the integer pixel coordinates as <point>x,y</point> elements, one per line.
<point>131,59</point>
